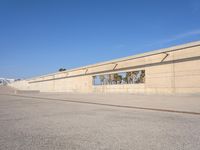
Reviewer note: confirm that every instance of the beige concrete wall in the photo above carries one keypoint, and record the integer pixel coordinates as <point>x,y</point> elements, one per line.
<point>167,72</point>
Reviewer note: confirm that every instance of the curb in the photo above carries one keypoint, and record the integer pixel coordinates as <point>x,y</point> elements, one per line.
<point>110,105</point>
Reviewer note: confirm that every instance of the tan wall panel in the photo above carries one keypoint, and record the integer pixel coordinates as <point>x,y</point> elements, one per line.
<point>131,63</point>
<point>159,58</point>
<point>165,82</point>
<point>187,53</point>
<point>188,90</point>
<point>159,69</point>
<point>61,75</point>
<point>187,81</point>
<point>101,68</point>
<point>77,72</point>
<point>159,91</point>
<point>187,66</point>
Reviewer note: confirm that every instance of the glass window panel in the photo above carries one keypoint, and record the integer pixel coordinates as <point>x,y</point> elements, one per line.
<point>133,77</point>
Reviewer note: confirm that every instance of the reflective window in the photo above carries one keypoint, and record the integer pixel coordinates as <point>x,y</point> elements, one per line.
<point>133,77</point>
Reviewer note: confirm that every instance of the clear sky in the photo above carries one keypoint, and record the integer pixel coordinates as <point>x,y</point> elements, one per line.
<point>40,36</point>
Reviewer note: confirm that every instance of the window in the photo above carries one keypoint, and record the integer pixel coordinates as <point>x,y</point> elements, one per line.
<point>133,77</point>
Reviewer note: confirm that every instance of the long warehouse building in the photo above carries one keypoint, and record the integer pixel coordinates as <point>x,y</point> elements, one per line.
<point>174,70</point>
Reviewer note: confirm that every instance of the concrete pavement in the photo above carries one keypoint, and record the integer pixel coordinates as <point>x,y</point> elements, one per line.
<point>174,103</point>
<point>33,124</point>
<point>52,122</point>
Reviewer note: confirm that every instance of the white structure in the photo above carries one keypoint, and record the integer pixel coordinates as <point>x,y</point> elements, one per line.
<point>4,81</point>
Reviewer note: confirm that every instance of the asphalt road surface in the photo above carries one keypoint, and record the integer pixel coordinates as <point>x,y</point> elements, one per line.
<point>42,124</point>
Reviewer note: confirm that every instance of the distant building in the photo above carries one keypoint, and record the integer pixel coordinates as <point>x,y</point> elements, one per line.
<point>166,71</point>
<point>4,81</point>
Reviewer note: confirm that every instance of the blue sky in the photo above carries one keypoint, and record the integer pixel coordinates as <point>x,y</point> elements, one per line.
<point>39,37</point>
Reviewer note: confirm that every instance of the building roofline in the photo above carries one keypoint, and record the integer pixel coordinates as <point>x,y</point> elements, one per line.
<point>150,53</point>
